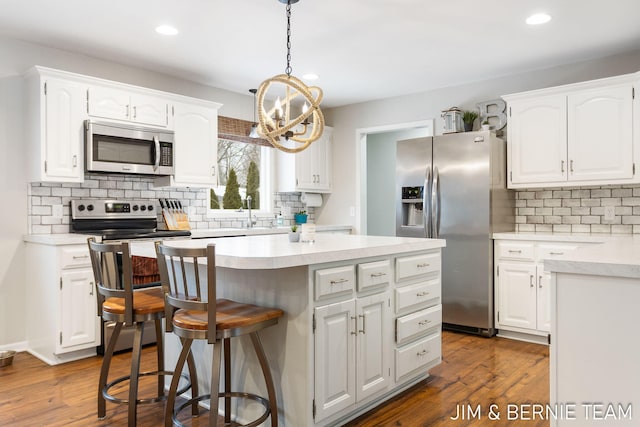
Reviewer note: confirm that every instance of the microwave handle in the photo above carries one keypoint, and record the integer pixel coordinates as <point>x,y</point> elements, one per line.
<point>157,144</point>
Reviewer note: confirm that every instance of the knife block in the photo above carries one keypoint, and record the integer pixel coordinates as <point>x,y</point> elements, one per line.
<point>176,221</point>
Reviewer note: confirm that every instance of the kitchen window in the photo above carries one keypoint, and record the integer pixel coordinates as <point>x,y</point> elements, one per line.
<point>244,168</point>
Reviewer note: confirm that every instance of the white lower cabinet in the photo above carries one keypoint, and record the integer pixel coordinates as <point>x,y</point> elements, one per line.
<point>62,319</point>
<point>522,286</point>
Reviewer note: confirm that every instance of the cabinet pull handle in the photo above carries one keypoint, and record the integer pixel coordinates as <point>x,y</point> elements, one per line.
<point>362,330</point>
<point>127,111</point>
<point>422,353</point>
<point>562,166</point>
<point>355,319</point>
<point>378,274</point>
<point>513,251</point>
<point>424,322</point>
<point>80,256</point>
<point>556,253</point>
<point>75,160</point>
<point>135,112</point>
<point>540,281</point>
<point>91,288</point>
<point>339,281</point>
<point>424,265</point>
<point>422,294</point>
<point>531,280</point>
<point>213,171</point>
<point>571,166</point>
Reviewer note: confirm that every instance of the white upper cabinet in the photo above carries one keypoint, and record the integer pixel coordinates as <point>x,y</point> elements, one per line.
<point>110,103</point>
<point>54,127</point>
<point>581,134</point>
<point>308,170</point>
<point>196,146</point>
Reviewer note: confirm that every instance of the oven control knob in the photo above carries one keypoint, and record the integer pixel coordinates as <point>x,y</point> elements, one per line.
<point>80,208</point>
<point>135,208</point>
<point>89,208</point>
<point>150,207</point>
<point>143,208</point>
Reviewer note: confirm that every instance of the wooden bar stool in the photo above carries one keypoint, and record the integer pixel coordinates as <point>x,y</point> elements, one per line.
<point>119,303</point>
<point>192,312</point>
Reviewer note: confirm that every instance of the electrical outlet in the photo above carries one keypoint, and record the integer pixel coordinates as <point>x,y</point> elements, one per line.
<point>609,213</point>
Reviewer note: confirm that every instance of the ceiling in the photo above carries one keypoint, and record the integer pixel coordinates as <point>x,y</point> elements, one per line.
<point>362,50</point>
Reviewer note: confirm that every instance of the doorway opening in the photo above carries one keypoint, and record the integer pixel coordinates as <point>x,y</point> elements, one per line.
<point>375,184</point>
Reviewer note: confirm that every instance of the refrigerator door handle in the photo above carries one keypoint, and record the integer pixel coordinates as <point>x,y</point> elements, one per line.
<point>426,217</point>
<point>435,204</point>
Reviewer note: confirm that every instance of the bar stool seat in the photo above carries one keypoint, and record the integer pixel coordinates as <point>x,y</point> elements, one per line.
<point>117,302</point>
<point>190,314</point>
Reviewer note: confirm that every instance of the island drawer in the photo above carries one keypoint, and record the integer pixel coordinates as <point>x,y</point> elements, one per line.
<point>420,355</point>
<point>417,265</point>
<point>419,295</point>
<point>516,250</point>
<point>547,251</point>
<point>75,256</point>
<point>334,281</point>
<point>373,274</point>
<point>414,325</point>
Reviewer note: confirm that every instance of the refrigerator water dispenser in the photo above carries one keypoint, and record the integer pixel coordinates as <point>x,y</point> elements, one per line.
<point>412,206</point>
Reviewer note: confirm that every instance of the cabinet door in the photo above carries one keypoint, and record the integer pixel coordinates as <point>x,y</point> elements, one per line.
<point>313,165</point>
<point>538,140</point>
<point>373,371</point>
<point>108,103</point>
<point>335,358</point>
<point>600,134</point>
<point>78,310</point>
<point>63,131</point>
<point>149,110</point>
<point>543,317</point>
<point>196,145</point>
<point>517,295</point>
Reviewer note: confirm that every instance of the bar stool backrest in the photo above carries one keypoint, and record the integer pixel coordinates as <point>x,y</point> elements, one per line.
<point>182,273</point>
<point>112,271</point>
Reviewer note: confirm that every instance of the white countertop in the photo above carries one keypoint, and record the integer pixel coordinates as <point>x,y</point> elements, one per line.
<point>229,232</point>
<point>612,255</point>
<point>275,251</point>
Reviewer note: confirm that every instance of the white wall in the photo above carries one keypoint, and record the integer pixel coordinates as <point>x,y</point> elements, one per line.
<point>428,105</point>
<point>16,58</point>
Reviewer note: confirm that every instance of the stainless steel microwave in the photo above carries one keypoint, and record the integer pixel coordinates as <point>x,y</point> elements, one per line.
<point>122,148</point>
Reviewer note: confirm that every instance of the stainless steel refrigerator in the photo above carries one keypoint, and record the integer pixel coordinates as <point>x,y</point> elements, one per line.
<point>453,187</point>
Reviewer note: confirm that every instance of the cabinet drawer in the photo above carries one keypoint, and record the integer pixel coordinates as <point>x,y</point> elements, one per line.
<point>516,250</point>
<point>420,355</point>
<point>423,322</point>
<point>373,274</point>
<point>423,294</point>
<point>547,251</point>
<point>334,281</point>
<point>417,265</point>
<point>75,257</point>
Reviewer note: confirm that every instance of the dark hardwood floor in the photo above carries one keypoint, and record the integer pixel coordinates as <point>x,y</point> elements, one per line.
<point>475,372</point>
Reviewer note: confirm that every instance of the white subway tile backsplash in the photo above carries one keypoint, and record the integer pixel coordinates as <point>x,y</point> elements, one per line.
<point>43,196</point>
<point>579,210</point>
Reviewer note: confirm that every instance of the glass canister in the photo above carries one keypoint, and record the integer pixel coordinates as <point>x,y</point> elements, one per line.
<point>452,120</point>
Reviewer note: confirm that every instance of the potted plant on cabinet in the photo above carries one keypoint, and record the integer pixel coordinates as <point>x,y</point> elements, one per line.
<point>485,125</point>
<point>468,117</point>
<point>294,236</point>
<point>300,217</point>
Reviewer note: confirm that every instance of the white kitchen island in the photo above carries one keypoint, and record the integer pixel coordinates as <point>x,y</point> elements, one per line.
<point>595,343</point>
<point>362,319</point>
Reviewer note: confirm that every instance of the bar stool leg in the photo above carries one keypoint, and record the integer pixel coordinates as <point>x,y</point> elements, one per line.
<point>215,384</point>
<point>160,355</point>
<point>227,380</point>
<point>268,378</point>
<point>135,373</point>
<point>193,378</point>
<point>104,370</point>
<point>171,398</point>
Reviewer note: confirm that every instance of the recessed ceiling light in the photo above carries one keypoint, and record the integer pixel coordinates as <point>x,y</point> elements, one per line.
<point>310,76</point>
<point>538,18</point>
<point>166,30</point>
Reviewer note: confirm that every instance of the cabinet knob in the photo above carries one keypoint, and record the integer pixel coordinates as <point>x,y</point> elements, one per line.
<point>531,280</point>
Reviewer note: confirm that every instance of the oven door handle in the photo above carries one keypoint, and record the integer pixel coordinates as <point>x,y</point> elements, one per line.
<point>156,140</point>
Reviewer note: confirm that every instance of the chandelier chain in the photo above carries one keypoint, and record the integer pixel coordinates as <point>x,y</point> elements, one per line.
<point>288,70</point>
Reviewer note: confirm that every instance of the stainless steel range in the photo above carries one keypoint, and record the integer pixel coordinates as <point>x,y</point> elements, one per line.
<point>124,220</point>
